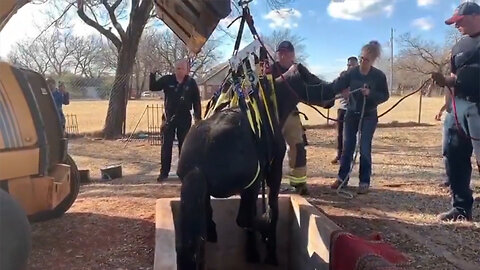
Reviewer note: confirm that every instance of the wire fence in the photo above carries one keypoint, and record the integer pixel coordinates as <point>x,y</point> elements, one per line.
<point>90,101</point>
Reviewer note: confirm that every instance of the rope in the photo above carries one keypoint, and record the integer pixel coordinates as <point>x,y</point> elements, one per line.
<point>381,115</point>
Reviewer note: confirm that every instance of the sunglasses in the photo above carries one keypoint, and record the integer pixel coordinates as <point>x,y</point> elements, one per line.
<point>364,59</point>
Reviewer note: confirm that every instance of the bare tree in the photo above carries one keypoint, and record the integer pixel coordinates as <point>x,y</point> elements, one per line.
<point>429,56</point>
<point>92,58</point>
<point>418,58</point>
<point>58,48</point>
<point>30,56</point>
<point>103,16</point>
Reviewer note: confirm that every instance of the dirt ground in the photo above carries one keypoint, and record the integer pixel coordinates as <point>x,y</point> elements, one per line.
<point>111,225</point>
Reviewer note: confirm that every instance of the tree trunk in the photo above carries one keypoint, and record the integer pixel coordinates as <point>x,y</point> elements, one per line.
<point>117,106</point>
<point>128,47</point>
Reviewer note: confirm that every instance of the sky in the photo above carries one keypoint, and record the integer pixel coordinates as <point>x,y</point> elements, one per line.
<point>332,30</point>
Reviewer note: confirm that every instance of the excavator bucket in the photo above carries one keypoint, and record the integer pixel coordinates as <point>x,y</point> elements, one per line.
<point>193,21</point>
<point>8,8</point>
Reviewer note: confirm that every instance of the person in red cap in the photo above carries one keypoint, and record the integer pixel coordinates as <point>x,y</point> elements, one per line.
<point>460,142</point>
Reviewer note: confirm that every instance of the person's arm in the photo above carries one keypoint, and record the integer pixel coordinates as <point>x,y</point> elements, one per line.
<point>197,106</point>
<point>380,94</point>
<point>342,83</point>
<point>157,85</point>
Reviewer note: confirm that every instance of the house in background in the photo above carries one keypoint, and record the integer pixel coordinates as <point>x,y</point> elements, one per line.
<point>212,80</point>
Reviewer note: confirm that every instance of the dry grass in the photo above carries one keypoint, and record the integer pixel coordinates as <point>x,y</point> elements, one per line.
<point>91,113</point>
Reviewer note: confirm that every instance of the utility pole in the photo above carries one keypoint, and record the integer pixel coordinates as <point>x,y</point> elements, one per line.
<point>391,60</point>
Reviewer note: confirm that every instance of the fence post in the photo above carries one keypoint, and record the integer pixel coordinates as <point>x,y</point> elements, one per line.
<point>328,117</point>
<point>420,107</point>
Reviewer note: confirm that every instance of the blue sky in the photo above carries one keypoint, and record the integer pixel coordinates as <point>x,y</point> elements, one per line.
<point>332,31</point>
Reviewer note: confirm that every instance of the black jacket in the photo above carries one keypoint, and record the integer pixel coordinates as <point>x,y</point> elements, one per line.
<point>375,80</point>
<point>179,98</point>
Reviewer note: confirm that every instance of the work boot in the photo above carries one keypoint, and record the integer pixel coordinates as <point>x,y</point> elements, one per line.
<point>363,188</point>
<point>302,189</point>
<point>337,183</point>
<point>455,214</point>
<point>162,177</point>
<point>335,160</point>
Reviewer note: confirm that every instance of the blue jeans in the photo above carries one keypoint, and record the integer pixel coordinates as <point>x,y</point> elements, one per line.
<point>350,129</point>
<point>458,150</point>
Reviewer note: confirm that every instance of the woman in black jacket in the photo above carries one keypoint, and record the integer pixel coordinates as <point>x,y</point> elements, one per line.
<point>374,91</point>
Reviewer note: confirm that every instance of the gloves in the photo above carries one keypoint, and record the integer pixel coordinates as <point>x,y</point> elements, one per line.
<point>439,79</point>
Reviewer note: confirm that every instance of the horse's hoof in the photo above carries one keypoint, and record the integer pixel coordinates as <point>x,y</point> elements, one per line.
<point>271,260</point>
<point>253,257</point>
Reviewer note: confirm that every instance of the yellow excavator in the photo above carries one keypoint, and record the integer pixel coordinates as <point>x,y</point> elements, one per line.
<point>35,168</point>
<point>38,179</point>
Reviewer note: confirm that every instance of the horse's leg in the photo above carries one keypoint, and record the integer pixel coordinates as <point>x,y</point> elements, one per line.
<point>273,180</point>
<point>245,219</point>
<point>192,221</point>
<point>211,226</point>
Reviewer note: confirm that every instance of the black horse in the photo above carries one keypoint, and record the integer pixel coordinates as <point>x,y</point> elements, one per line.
<point>220,158</point>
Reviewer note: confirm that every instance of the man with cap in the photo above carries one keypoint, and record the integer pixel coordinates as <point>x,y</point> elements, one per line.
<point>465,81</point>
<point>292,130</point>
<point>352,62</point>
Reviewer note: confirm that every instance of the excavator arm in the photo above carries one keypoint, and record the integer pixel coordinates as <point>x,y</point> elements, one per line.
<point>8,8</point>
<point>193,21</point>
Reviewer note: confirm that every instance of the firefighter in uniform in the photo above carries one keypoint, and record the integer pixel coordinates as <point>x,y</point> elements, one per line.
<point>462,135</point>
<point>293,131</point>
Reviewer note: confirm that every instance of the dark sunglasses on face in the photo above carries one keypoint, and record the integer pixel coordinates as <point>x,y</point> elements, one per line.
<point>364,59</point>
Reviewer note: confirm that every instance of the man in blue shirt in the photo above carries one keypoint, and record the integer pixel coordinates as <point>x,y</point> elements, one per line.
<point>61,97</point>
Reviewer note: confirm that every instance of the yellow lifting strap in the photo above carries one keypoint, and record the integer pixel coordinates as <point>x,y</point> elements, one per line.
<point>231,98</point>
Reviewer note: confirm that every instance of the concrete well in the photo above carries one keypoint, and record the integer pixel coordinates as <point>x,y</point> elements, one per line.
<point>303,236</point>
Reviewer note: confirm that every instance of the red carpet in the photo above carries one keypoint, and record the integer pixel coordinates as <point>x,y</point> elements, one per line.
<point>350,252</point>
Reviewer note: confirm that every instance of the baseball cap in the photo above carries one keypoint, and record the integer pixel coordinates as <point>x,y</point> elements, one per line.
<point>285,46</point>
<point>467,8</point>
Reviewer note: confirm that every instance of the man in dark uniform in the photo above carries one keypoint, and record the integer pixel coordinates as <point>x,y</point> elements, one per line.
<point>465,80</point>
<point>181,94</point>
<point>292,130</point>
<point>342,109</point>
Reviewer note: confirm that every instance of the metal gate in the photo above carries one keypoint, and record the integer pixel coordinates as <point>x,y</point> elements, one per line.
<point>71,124</point>
<point>155,120</point>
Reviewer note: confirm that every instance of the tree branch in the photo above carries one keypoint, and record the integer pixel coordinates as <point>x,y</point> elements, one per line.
<point>54,22</point>
<point>113,18</point>
<point>81,13</point>
<point>116,4</point>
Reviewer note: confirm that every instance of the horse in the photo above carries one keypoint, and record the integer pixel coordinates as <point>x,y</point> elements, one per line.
<point>220,158</point>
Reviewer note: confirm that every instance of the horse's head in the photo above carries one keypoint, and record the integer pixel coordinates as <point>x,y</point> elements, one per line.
<point>300,85</point>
